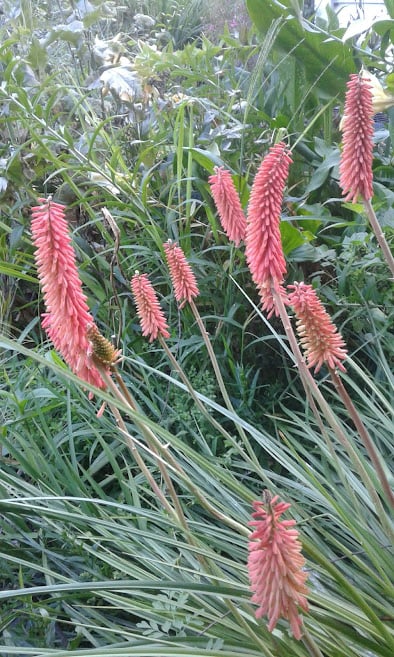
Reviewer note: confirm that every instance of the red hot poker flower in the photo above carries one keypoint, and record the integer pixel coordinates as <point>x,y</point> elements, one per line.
<point>319,337</point>
<point>183,279</point>
<point>67,319</point>
<point>228,204</point>
<point>356,158</point>
<point>153,322</point>
<point>264,252</point>
<point>275,566</point>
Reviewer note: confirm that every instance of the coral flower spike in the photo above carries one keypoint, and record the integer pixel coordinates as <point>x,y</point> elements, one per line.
<point>319,337</point>
<point>183,279</point>
<point>153,322</point>
<point>228,204</point>
<point>357,124</point>
<point>67,318</point>
<point>355,167</point>
<point>264,252</point>
<point>275,566</point>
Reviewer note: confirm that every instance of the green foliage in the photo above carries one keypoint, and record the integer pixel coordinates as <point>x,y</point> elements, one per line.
<point>327,62</point>
<point>90,526</point>
<point>133,116</point>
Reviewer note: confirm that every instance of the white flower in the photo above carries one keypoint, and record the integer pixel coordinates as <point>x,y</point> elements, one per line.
<point>381,100</point>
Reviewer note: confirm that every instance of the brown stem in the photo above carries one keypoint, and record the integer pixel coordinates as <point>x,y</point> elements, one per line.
<point>310,644</point>
<point>364,435</point>
<point>379,234</point>
<point>140,461</point>
<point>166,459</point>
<point>199,403</point>
<point>131,402</point>
<point>310,385</point>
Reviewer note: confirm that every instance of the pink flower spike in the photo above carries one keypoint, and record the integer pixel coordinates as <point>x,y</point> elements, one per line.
<point>275,566</point>
<point>356,158</point>
<point>264,252</point>
<point>319,337</point>
<point>228,205</point>
<point>153,322</point>
<point>183,279</point>
<point>67,318</point>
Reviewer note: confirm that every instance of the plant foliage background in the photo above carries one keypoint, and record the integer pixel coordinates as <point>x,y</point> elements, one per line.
<point>130,107</point>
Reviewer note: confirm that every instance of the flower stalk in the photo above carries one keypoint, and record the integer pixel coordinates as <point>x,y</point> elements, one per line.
<point>364,435</point>
<point>154,326</point>
<point>314,394</point>
<point>185,291</point>
<point>379,234</point>
<point>153,322</point>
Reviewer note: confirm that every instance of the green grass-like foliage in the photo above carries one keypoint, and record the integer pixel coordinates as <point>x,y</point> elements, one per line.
<point>94,560</point>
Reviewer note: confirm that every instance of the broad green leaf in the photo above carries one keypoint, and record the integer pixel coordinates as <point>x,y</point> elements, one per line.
<point>291,237</point>
<point>70,32</point>
<point>327,61</point>
<point>356,28</point>
<point>92,13</point>
<point>206,158</point>
<point>383,26</point>
<point>390,7</point>
<point>38,55</point>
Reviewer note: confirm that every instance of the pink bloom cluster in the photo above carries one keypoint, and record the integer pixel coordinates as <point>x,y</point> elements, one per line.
<point>260,230</point>
<point>318,335</point>
<point>183,279</point>
<point>228,205</point>
<point>67,318</point>
<point>264,252</point>
<point>356,159</point>
<point>275,566</point>
<point>153,322</point>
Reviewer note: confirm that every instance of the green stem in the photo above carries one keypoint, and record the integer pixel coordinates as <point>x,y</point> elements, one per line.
<point>201,406</point>
<point>248,629</point>
<point>219,379</point>
<point>178,514</point>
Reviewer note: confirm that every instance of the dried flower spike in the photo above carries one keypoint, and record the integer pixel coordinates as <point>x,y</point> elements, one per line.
<point>356,158</point>
<point>275,566</point>
<point>264,252</point>
<point>183,279</point>
<point>153,322</point>
<point>67,318</point>
<point>228,204</point>
<point>102,350</point>
<point>319,337</point>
